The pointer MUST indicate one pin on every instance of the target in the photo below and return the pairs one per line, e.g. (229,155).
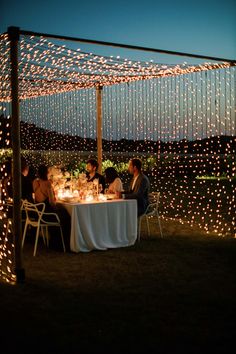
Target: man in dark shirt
(92,174)
(139,186)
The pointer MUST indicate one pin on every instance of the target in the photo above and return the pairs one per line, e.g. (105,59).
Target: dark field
(170,295)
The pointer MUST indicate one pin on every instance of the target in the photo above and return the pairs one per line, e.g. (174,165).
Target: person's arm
(144,185)
(51,194)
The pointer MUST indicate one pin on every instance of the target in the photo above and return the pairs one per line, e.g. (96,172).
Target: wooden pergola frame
(14,36)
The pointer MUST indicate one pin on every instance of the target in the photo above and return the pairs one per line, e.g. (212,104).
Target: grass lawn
(170,295)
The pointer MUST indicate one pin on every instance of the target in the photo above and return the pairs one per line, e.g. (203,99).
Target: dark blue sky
(201,27)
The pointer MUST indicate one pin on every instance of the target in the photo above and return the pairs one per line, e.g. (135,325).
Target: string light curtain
(46,68)
(185,127)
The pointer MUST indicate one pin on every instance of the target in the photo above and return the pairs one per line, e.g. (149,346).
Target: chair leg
(42,230)
(159,222)
(47,236)
(62,239)
(148,228)
(139,227)
(36,241)
(24,234)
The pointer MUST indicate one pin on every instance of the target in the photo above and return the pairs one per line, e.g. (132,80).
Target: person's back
(116,186)
(43,188)
(44,193)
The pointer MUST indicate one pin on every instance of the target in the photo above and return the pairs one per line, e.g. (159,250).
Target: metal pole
(14,35)
(126,46)
(99,127)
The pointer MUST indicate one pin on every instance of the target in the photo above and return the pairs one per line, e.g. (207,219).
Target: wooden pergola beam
(99,127)
(126,46)
(14,36)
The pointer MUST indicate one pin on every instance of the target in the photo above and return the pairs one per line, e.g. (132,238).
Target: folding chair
(152,210)
(35,216)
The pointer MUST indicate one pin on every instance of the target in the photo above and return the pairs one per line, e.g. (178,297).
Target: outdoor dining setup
(93,218)
(117,177)
(102,224)
(61,105)
(98,221)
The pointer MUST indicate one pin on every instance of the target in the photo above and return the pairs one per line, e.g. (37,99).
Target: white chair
(151,211)
(35,216)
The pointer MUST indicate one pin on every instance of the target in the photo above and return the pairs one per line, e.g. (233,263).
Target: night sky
(201,27)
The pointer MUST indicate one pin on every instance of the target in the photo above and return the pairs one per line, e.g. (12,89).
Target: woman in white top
(113,180)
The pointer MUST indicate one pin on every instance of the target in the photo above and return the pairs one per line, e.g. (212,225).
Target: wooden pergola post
(99,127)
(14,36)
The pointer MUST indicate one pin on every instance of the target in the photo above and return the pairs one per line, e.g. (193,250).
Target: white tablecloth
(102,225)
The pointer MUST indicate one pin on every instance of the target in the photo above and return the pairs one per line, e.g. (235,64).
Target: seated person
(139,186)
(43,189)
(44,193)
(92,174)
(26,183)
(113,180)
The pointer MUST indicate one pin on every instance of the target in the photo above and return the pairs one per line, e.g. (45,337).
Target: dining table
(102,225)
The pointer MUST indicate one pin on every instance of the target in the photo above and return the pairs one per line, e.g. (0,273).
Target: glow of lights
(46,69)
(180,119)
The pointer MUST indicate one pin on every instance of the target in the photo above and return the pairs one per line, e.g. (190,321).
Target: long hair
(111,174)
(43,172)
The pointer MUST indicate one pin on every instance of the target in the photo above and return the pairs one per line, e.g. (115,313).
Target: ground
(165,295)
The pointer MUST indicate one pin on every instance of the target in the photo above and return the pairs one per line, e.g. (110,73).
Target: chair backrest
(33,212)
(154,197)
(152,208)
